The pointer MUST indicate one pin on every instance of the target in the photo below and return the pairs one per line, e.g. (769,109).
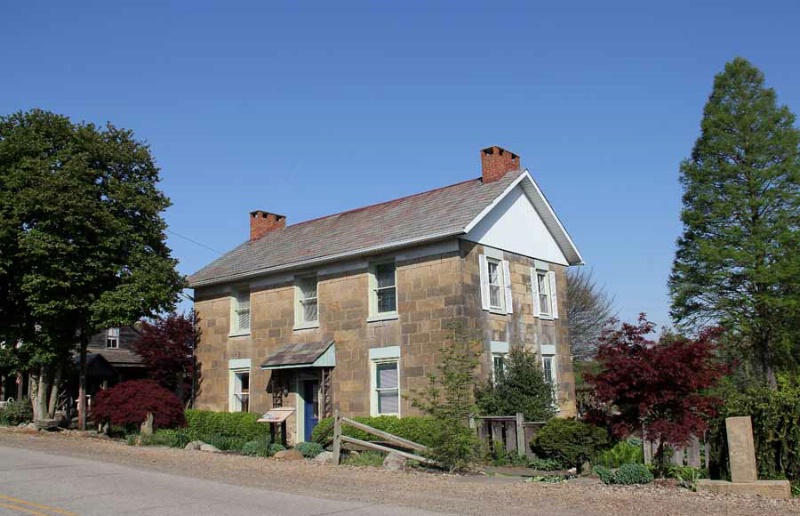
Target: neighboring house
(110,359)
(350,310)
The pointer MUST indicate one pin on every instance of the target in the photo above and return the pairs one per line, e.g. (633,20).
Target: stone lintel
(766,488)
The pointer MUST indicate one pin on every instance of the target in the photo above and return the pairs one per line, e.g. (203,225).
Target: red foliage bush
(657,387)
(127,404)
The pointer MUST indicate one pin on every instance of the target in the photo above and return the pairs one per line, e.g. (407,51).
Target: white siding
(513,225)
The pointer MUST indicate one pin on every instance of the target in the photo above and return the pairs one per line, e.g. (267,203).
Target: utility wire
(195,242)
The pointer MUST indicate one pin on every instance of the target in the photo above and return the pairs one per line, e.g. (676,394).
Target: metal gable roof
(425,217)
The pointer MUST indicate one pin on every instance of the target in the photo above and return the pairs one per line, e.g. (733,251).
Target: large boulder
(209,448)
(194,445)
(325,457)
(394,462)
(289,455)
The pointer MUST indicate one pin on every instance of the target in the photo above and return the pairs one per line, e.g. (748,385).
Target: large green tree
(82,244)
(737,263)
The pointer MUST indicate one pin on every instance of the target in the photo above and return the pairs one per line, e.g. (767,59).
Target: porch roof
(306,354)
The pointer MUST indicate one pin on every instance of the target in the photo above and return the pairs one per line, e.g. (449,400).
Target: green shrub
(568,441)
(367,458)
(687,476)
(239,425)
(177,438)
(622,453)
(418,429)
(258,448)
(16,412)
(776,431)
(629,474)
(225,442)
(309,450)
(275,448)
(605,474)
(544,464)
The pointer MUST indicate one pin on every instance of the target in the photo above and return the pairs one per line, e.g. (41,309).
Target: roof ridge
(369,206)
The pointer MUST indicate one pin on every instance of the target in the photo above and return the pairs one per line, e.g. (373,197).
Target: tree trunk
(54,388)
(82,383)
(34,387)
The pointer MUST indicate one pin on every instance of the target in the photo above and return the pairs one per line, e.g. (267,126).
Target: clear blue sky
(306,109)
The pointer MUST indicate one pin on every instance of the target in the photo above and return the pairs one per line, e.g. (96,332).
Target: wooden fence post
(337,437)
(521,444)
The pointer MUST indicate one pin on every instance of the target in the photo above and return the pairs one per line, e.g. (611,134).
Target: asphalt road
(39,484)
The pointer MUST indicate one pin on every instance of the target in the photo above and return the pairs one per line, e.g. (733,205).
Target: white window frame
(492,257)
(546,308)
(380,356)
(374,314)
(112,338)
(237,297)
(548,352)
(237,367)
(300,321)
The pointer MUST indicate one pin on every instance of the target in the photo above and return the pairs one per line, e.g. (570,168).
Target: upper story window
(545,301)
(496,285)
(307,307)
(112,338)
(240,312)
(383,289)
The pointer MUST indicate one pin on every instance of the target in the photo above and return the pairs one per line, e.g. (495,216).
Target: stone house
(350,310)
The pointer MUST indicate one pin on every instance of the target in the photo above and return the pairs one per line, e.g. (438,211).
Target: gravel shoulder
(431,491)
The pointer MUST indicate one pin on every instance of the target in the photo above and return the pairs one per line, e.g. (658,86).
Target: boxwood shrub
(203,424)
(418,429)
(568,441)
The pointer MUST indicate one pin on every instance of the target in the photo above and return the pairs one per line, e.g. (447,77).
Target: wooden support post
(521,444)
(337,437)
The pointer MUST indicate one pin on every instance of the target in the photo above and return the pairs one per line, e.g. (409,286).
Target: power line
(195,242)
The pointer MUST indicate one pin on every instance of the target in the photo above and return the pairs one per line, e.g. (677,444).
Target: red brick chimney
(262,222)
(495,162)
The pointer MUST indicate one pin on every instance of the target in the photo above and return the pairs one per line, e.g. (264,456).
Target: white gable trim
(545,211)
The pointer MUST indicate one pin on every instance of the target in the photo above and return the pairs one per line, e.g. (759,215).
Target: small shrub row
(544,464)
(16,412)
(627,474)
(236,425)
(422,430)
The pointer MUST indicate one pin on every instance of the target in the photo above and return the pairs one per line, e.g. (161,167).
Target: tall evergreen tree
(737,263)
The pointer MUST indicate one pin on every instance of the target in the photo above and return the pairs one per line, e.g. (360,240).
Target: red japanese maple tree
(167,348)
(656,387)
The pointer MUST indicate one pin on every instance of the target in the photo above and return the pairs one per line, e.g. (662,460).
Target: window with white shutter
(307,303)
(495,285)
(543,286)
(240,313)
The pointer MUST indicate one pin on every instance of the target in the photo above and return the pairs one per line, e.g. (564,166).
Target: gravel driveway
(431,491)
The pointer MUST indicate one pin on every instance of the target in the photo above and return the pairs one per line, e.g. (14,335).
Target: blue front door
(311,406)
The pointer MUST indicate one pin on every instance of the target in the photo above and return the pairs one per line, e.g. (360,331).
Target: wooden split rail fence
(340,440)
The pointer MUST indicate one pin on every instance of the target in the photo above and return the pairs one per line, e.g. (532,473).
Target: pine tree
(737,263)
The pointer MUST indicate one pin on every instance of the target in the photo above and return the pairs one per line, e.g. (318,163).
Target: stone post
(741,450)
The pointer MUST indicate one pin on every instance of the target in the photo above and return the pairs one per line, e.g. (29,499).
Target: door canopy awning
(307,354)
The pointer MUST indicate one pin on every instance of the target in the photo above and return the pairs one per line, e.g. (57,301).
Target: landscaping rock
(146,429)
(394,462)
(209,448)
(325,457)
(289,455)
(194,445)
